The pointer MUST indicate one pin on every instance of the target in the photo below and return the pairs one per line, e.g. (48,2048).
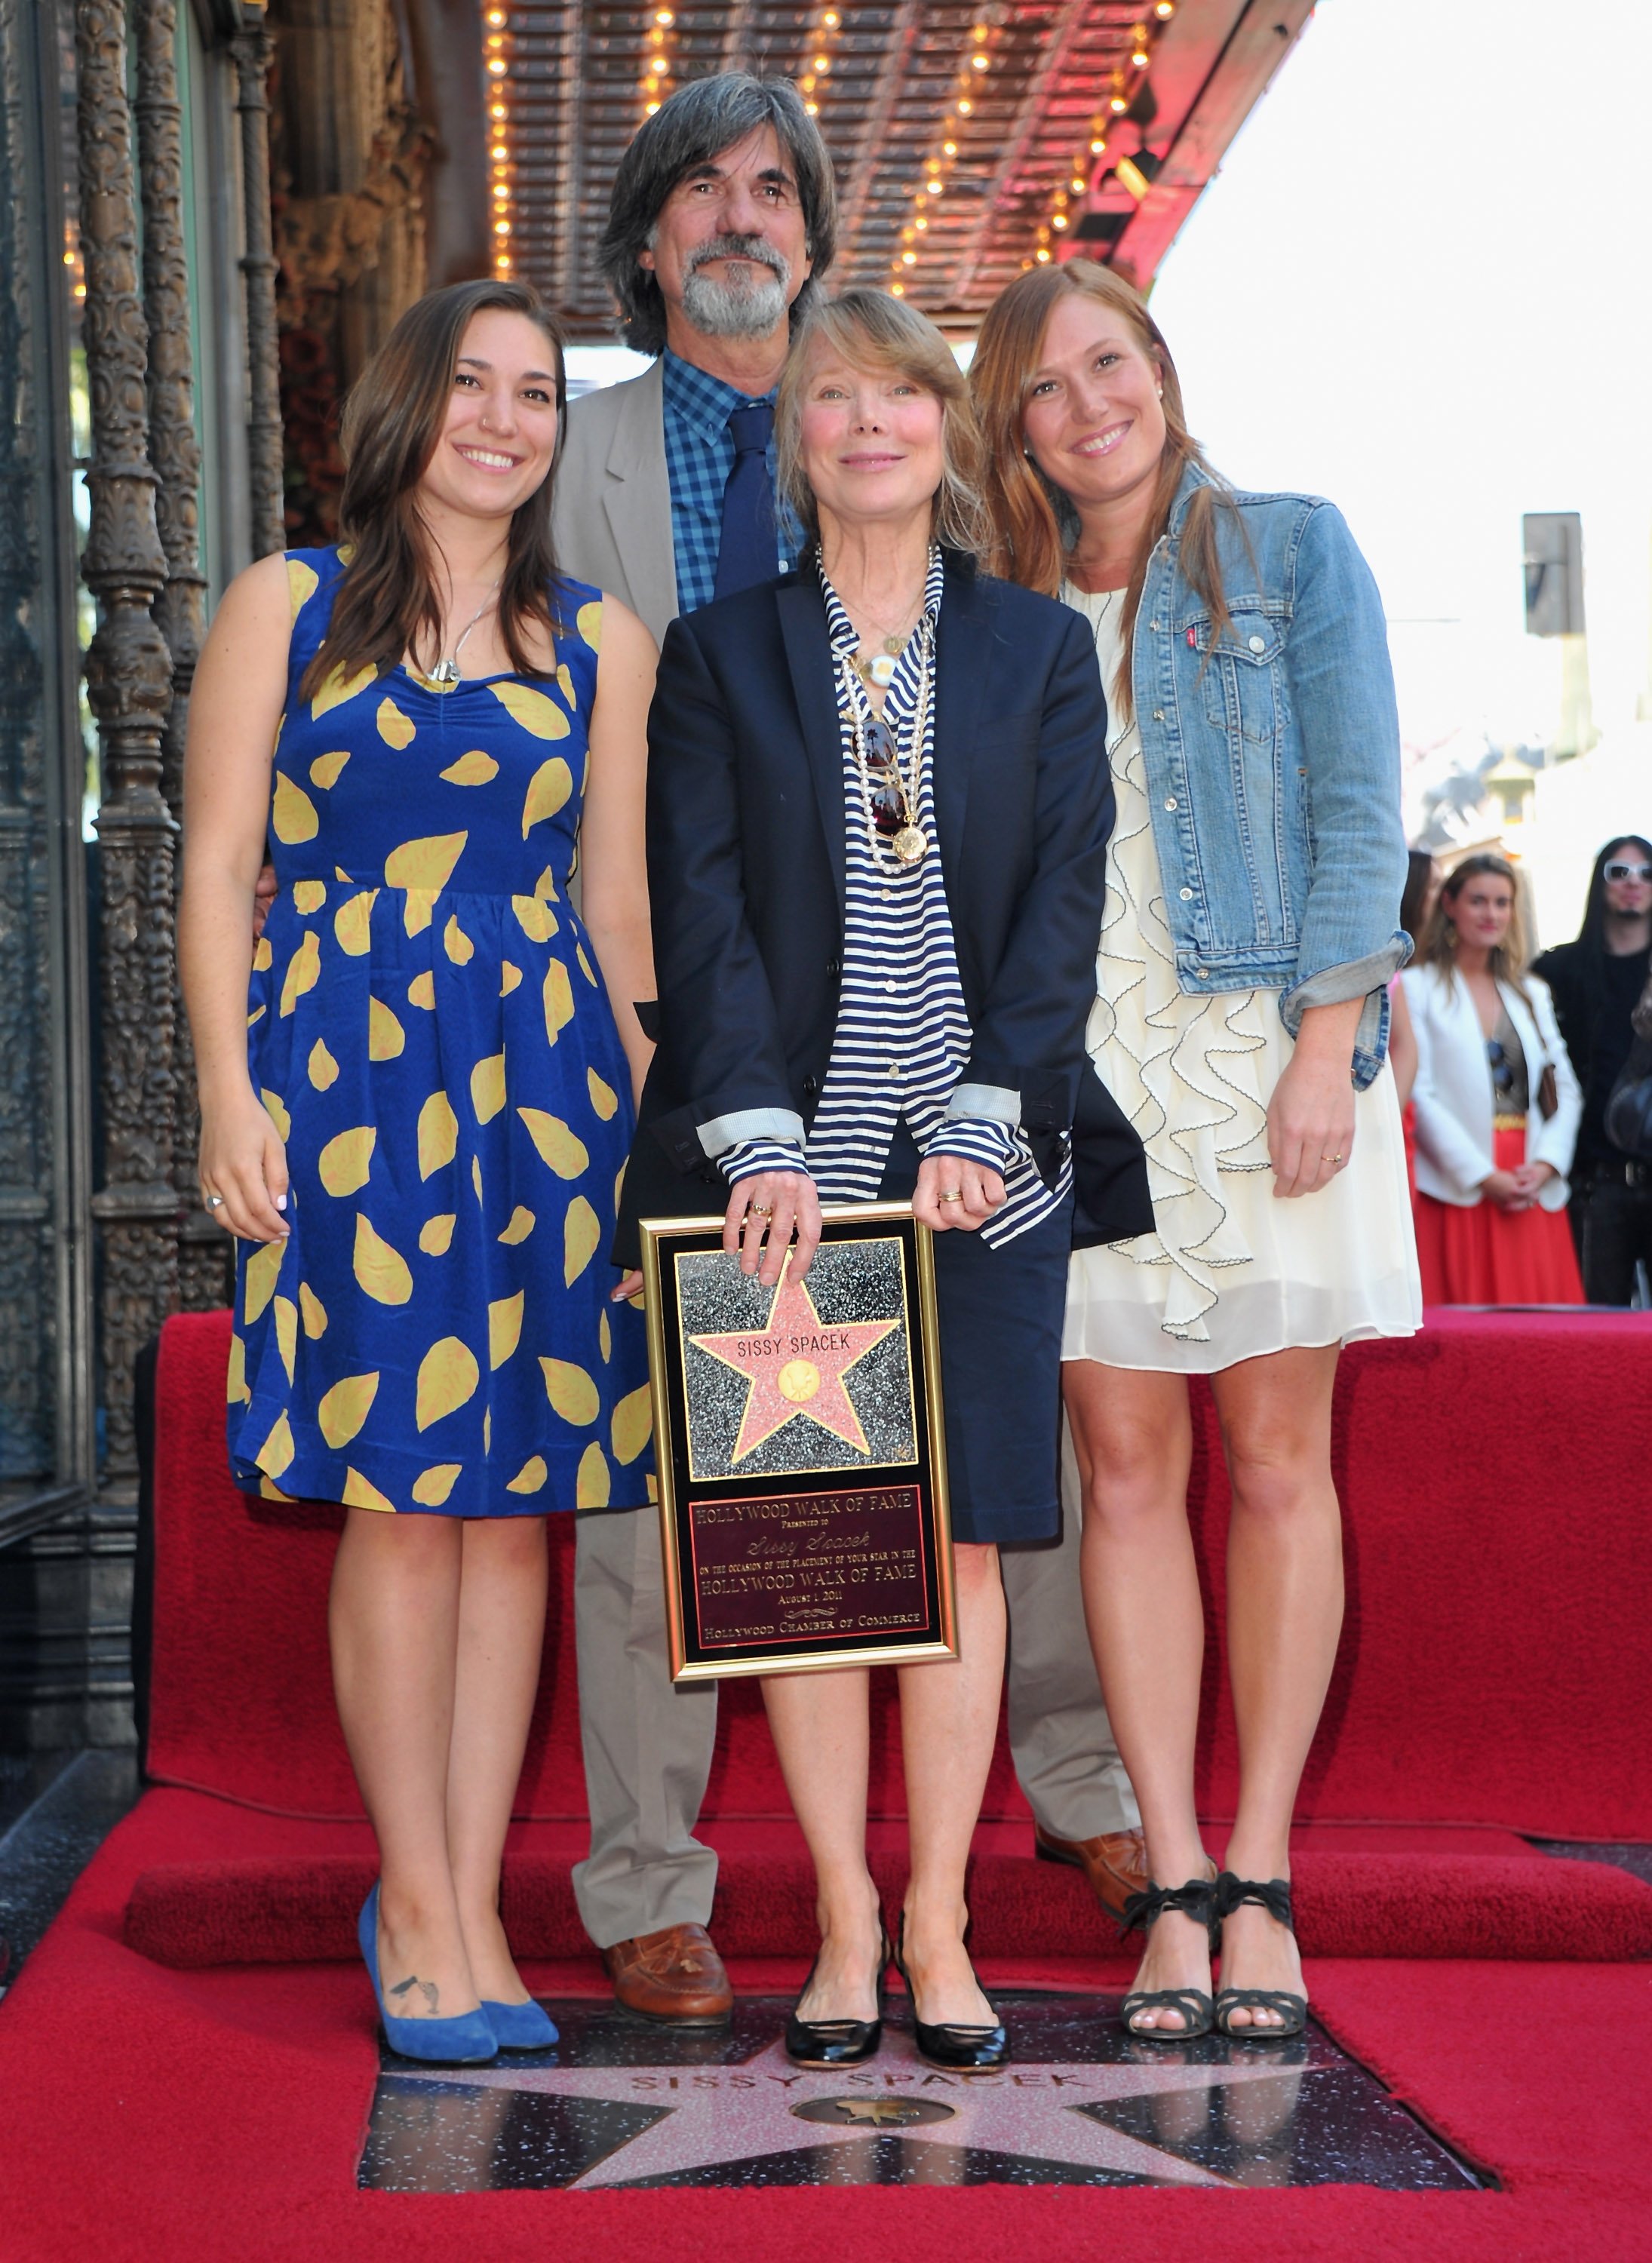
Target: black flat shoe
(959,2049)
(1196,1899)
(832,2043)
(1274,1896)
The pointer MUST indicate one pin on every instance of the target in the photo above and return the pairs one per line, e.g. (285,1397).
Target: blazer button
(811,1086)
(833,966)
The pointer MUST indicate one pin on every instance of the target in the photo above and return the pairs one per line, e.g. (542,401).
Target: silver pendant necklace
(446,673)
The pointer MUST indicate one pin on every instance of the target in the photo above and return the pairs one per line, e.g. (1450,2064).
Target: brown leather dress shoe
(1115,1863)
(674,1975)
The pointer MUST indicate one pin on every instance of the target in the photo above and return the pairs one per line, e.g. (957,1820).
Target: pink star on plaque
(795,1364)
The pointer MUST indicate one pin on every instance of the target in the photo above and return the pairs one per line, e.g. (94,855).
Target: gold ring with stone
(955,1194)
(762,1209)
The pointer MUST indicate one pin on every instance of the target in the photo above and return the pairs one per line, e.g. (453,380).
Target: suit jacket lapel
(637,498)
(962,651)
(808,656)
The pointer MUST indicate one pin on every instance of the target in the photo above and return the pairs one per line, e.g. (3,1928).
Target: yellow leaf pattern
(581,1233)
(487,1088)
(381,1271)
(605,1336)
(532,709)
(287,1331)
(259,1279)
(457,943)
(341,1411)
(559,1000)
(361,1492)
(308,896)
(570,1390)
(548,790)
(324,1069)
(504,1328)
(530,1477)
(277,1114)
(591,1486)
(262,957)
(632,1419)
(394,729)
(432,1487)
(301,582)
(344,1161)
(292,813)
(476,768)
(327,770)
(235,1389)
(448,1377)
(386,1036)
(519,1228)
(537,920)
(352,923)
(338,688)
(438,1133)
(426,863)
(603,1098)
(588,621)
(563,1150)
(436,1235)
(421,991)
(508,977)
(275,1454)
(303,972)
(314,1313)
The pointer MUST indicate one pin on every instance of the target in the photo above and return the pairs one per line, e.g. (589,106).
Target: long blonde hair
(1032,518)
(1437,946)
(876,332)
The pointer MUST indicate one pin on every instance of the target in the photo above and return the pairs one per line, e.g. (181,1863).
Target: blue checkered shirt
(699,454)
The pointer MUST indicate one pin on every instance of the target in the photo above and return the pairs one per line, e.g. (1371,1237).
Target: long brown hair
(1437,946)
(1027,510)
(393,422)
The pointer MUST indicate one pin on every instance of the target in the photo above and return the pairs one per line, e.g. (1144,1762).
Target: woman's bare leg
(1132,1436)
(949,1720)
(819,1722)
(1285,1611)
(501,1636)
(394,1619)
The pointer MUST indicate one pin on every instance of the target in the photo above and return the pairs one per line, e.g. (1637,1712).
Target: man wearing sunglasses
(1597,982)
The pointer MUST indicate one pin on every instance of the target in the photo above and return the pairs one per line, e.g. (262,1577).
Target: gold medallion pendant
(911,843)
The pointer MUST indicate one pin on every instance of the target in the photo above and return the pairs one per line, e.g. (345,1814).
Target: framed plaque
(800,1450)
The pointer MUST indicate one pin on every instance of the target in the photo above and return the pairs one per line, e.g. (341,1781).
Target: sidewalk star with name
(795,1364)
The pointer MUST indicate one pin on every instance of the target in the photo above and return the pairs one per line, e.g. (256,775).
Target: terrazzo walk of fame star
(619,2103)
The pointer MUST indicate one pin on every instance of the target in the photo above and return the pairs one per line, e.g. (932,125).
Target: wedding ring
(955,1194)
(1330,1159)
(762,1209)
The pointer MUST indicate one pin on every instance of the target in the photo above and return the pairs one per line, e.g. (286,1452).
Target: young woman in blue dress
(416,1093)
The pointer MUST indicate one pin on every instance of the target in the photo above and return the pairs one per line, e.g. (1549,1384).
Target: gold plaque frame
(907,1494)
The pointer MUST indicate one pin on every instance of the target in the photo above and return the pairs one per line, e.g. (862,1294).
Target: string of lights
(496,44)
(819,51)
(1128,77)
(976,63)
(658,82)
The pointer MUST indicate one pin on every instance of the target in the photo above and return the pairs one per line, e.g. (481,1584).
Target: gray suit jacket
(611,512)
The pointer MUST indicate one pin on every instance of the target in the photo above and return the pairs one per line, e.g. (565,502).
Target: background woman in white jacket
(1496,1104)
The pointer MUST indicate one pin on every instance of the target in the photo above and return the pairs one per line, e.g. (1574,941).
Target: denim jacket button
(1171,804)
(1187,895)
(1159,714)
(1258,644)
(1154,627)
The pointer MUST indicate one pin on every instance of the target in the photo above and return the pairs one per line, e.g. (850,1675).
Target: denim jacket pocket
(1238,675)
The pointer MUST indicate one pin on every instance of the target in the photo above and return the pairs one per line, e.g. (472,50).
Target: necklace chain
(446,673)
(908,763)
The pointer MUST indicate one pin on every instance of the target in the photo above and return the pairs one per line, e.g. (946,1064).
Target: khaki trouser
(648,1744)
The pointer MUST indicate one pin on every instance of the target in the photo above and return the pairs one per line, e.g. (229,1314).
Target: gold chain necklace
(909,844)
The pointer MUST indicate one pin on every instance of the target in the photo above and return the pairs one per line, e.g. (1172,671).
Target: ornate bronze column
(175,452)
(129,684)
(252,49)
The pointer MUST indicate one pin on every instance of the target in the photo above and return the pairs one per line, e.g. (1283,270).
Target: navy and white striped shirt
(902,1037)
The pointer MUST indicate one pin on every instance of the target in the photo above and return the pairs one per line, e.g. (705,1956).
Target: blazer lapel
(637,498)
(808,656)
(962,660)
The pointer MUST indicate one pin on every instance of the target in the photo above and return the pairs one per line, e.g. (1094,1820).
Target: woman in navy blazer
(878,815)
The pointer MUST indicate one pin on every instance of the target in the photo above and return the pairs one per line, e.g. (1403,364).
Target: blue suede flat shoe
(520,2026)
(466,2040)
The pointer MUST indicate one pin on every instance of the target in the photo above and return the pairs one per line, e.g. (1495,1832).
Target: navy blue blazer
(746,876)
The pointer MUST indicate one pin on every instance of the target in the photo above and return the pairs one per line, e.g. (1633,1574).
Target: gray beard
(736,310)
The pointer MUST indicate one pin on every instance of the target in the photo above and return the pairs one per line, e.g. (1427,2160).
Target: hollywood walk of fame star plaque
(800,1450)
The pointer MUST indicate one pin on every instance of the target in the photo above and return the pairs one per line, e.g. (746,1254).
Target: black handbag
(1628,1117)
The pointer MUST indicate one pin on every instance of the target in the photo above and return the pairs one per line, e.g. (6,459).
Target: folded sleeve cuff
(996,1100)
(747,1158)
(981,1140)
(746,1123)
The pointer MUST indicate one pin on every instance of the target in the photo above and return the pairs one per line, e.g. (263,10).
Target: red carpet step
(267,1911)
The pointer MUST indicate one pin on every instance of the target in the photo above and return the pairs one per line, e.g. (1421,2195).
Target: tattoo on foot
(426,1988)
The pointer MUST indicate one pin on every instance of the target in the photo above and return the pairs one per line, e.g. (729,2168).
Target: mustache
(751,248)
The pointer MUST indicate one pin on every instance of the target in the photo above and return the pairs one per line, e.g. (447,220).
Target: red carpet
(1500,1590)
(160,2104)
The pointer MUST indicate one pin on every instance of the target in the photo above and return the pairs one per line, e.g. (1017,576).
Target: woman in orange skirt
(1496,1104)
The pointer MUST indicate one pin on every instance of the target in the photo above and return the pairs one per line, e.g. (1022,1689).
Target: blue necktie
(746,553)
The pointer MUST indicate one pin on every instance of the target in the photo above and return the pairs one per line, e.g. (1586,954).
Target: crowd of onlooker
(1528,1086)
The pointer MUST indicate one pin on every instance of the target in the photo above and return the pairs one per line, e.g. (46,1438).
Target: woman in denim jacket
(1247,939)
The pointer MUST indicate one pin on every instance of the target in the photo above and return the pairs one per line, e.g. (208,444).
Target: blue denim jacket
(1273,760)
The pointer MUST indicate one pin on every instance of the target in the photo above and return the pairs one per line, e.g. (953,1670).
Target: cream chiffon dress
(1230,1272)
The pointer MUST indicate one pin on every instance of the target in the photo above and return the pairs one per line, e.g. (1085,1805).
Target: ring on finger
(1330,1159)
(762,1209)
(214,1202)
(952,1194)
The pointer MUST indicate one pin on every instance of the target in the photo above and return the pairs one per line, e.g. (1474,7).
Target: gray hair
(872,331)
(689,128)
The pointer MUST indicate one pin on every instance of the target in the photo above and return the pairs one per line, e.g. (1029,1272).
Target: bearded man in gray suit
(723,218)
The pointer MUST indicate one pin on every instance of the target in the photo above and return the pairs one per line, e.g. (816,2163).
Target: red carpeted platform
(189,2012)
(1495,1662)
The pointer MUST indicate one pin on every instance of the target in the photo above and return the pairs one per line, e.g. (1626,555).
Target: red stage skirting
(1496,1666)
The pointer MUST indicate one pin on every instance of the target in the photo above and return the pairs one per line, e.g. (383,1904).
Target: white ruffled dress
(1230,1272)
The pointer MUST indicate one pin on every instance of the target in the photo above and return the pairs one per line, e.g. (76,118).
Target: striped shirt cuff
(1001,1102)
(982,1139)
(749,1157)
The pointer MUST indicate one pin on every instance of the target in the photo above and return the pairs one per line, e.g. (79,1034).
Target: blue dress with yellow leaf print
(429,1030)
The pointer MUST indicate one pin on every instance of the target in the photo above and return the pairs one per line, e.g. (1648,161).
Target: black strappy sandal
(1196,1899)
(1274,1896)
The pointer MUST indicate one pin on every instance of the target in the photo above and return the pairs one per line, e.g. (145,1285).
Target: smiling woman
(416,1094)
